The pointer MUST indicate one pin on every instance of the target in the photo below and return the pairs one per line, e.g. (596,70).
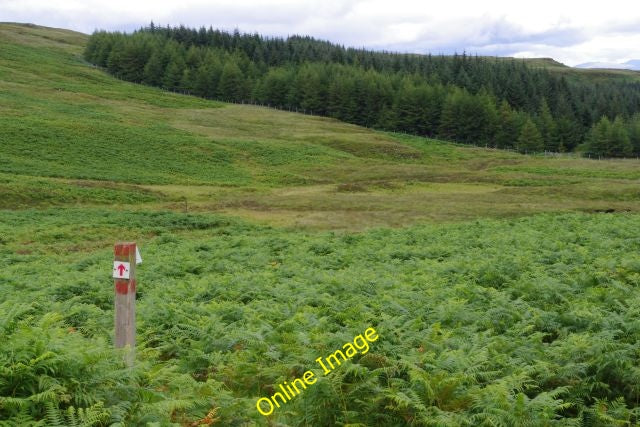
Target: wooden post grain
(125,300)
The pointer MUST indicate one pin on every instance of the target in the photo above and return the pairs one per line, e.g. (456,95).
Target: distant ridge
(633,64)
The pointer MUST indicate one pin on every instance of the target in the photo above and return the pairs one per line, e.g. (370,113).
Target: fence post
(124,274)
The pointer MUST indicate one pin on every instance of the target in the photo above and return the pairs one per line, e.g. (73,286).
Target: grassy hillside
(71,134)
(270,239)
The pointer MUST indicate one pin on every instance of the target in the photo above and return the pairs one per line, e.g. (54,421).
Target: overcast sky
(569,31)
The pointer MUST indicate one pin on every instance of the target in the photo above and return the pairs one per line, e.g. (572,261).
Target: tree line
(497,102)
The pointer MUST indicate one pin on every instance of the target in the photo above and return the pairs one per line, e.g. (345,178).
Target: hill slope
(69,130)
(633,64)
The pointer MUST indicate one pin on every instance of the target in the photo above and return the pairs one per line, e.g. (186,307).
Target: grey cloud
(499,37)
(509,34)
(344,22)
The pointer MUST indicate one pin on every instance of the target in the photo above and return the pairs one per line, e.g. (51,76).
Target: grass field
(502,292)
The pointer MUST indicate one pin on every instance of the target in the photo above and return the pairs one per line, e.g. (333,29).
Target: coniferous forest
(496,102)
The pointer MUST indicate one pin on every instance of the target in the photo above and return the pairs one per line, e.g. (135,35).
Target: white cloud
(569,31)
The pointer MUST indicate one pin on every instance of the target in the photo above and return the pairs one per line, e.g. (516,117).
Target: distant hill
(633,64)
(541,62)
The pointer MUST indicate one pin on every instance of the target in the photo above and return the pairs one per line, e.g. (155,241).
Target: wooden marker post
(124,274)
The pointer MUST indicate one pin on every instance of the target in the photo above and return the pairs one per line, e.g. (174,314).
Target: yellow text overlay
(360,344)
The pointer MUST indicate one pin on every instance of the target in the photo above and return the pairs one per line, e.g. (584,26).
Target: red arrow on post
(121,269)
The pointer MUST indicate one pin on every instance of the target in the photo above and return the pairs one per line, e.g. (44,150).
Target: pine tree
(341,103)
(633,130)
(115,60)
(619,144)
(507,127)
(568,134)
(92,48)
(547,127)
(273,88)
(514,88)
(193,58)
(173,73)
(231,86)
(598,141)
(188,80)
(434,103)
(154,68)
(208,76)
(135,54)
(530,140)
(486,118)
(378,93)
(469,118)
(312,85)
(449,119)
(386,118)
(408,109)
